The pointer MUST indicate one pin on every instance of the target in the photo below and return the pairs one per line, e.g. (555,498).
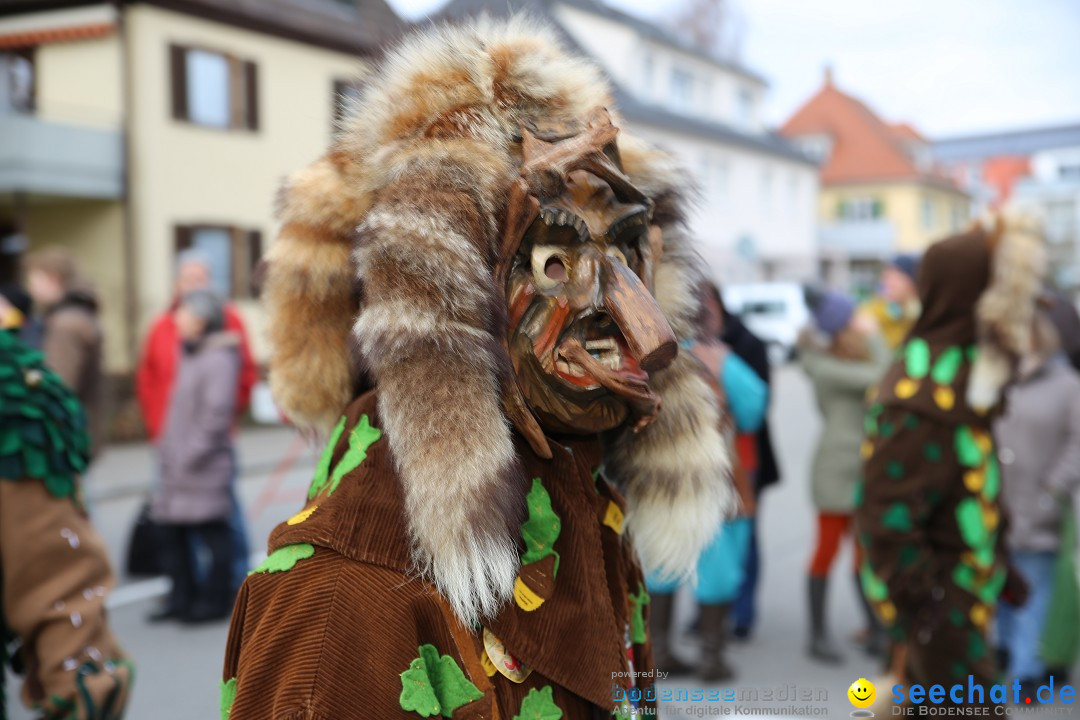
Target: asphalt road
(179,668)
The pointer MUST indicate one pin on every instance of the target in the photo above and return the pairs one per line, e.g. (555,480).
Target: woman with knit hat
(843,354)
(929,514)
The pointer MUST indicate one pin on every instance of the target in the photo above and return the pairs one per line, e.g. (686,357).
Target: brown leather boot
(714,668)
(660,611)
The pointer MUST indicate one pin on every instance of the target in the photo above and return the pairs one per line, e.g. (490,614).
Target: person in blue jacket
(721,567)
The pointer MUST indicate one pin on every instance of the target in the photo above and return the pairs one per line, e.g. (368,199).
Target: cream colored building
(130,135)
(881,192)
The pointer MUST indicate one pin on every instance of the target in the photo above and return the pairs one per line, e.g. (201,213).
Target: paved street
(179,667)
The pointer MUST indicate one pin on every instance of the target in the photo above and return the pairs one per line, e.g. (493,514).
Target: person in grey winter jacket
(198,461)
(843,355)
(1039,452)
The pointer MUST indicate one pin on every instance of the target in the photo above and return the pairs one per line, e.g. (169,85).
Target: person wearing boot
(843,354)
(198,462)
(929,513)
(721,567)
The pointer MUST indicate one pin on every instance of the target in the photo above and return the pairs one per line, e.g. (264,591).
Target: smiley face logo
(862,693)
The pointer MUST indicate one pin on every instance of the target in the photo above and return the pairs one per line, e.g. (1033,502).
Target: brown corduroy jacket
(336,625)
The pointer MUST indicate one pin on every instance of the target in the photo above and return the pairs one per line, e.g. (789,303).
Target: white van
(774,311)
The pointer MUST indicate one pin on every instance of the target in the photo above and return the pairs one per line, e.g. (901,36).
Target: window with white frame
(926,213)
(861,207)
(648,67)
(766,189)
(744,107)
(682,88)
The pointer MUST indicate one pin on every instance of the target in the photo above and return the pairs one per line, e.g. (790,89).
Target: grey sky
(947,66)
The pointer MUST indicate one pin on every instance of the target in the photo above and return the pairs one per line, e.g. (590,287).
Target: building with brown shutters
(130,131)
(881,192)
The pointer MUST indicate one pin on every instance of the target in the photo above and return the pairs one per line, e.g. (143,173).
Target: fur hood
(384,273)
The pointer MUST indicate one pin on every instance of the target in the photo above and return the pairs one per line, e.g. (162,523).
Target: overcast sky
(947,66)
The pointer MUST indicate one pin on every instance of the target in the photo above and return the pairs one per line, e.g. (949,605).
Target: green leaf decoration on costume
(322,469)
(964,577)
(947,365)
(228,695)
(42,426)
(976,646)
(285,558)
(969,518)
(638,635)
(972,353)
(859,493)
(917,358)
(895,470)
(875,588)
(435,685)
(539,705)
(897,517)
(361,438)
(542,528)
(967,450)
(907,557)
(992,588)
(933,452)
(984,556)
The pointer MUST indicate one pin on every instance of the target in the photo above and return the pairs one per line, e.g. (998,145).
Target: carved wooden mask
(584,330)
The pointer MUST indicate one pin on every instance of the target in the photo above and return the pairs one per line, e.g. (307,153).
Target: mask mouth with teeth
(584,331)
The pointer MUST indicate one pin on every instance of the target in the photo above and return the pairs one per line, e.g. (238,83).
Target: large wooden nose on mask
(647,333)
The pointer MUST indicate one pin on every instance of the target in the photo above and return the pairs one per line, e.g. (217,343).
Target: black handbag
(144,555)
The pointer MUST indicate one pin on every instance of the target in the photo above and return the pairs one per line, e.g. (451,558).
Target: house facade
(1037,169)
(756,213)
(881,192)
(132,132)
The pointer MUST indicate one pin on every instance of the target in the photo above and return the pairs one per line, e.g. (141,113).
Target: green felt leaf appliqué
(917,358)
(228,695)
(897,517)
(967,450)
(285,558)
(42,426)
(638,635)
(969,517)
(539,705)
(435,685)
(322,469)
(947,365)
(875,588)
(361,438)
(542,528)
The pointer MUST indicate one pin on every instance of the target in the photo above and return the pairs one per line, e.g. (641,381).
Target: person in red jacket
(156,375)
(157,365)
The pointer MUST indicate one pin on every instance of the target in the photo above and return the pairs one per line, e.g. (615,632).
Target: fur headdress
(1005,314)
(385,266)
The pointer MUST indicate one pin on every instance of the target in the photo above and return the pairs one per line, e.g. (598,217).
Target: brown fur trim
(1006,309)
(308,294)
(676,472)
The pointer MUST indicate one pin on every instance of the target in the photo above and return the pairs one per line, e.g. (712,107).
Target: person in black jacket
(753,352)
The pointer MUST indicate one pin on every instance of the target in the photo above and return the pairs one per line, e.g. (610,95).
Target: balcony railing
(40,157)
(862,239)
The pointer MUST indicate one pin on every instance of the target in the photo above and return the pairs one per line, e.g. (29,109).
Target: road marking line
(143,590)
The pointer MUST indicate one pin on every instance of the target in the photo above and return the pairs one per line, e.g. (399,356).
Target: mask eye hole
(555,269)
(616,253)
(550,267)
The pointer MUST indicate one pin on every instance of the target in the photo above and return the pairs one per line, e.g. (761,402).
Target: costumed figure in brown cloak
(929,516)
(478,294)
(54,567)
